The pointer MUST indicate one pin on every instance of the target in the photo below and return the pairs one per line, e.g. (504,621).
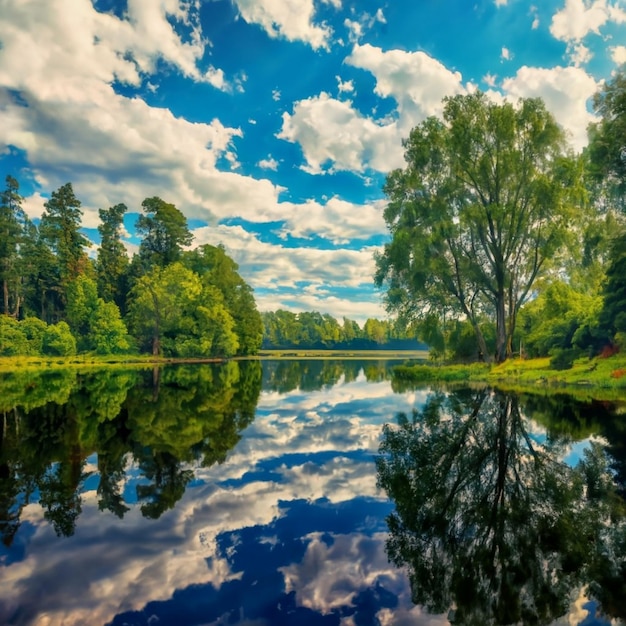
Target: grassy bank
(587,375)
(304,353)
(21,363)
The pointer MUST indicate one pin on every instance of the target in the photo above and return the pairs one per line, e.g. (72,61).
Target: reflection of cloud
(303,447)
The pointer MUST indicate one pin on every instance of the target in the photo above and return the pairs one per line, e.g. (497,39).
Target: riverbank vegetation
(505,243)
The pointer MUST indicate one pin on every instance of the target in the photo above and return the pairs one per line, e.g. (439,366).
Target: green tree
(478,213)
(216,268)
(165,233)
(107,331)
(606,152)
(112,264)
(613,314)
(58,340)
(60,230)
(12,227)
(172,312)
(13,341)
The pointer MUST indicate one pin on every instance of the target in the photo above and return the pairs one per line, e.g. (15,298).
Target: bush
(563,359)
(58,341)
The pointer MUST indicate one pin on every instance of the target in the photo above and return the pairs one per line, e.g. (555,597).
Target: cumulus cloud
(267,265)
(505,54)
(618,54)
(578,18)
(332,132)
(288,19)
(268,164)
(565,90)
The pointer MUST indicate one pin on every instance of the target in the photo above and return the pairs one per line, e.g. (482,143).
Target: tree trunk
(5,296)
(501,334)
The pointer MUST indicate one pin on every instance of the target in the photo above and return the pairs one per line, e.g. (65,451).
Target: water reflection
(246,494)
(157,421)
(489,521)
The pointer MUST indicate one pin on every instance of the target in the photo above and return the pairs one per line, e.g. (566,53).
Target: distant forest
(284,329)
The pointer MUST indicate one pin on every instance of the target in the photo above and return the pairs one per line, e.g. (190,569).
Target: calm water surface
(274,493)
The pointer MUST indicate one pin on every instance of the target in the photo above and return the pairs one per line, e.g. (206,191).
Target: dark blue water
(249,494)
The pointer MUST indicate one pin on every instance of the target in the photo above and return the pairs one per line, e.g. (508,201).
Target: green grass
(588,377)
(304,353)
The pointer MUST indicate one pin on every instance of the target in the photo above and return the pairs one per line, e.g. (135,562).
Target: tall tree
(478,213)
(216,268)
(12,225)
(112,264)
(165,233)
(606,151)
(60,230)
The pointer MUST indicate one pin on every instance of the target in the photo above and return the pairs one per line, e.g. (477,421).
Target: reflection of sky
(289,530)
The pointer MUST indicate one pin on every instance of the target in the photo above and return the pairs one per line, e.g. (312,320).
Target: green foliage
(473,227)
(606,161)
(217,269)
(559,318)
(13,340)
(172,311)
(112,264)
(60,231)
(613,314)
(165,233)
(58,340)
(107,331)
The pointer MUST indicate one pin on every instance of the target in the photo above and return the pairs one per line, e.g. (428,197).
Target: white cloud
(268,164)
(565,90)
(618,54)
(415,80)
(344,86)
(578,18)
(506,55)
(288,19)
(332,131)
(501,3)
(490,79)
(364,22)
(580,54)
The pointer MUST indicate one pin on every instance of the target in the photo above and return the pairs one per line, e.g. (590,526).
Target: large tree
(477,214)
(12,228)
(607,142)
(60,230)
(165,233)
(112,264)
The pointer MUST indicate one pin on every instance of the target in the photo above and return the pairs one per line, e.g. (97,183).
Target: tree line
(502,239)
(165,300)
(312,329)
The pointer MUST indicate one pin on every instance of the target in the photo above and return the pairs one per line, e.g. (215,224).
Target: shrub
(563,359)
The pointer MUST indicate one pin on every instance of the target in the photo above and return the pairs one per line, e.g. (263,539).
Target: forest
(57,300)
(503,242)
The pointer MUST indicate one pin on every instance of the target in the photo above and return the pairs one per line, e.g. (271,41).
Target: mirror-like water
(305,492)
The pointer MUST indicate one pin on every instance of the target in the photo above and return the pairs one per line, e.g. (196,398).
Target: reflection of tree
(183,415)
(311,375)
(168,480)
(486,519)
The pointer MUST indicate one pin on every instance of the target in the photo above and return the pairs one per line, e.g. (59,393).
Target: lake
(305,492)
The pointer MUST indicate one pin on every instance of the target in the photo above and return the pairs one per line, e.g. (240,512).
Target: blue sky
(272,123)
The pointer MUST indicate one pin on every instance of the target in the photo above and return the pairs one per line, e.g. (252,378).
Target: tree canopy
(478,213)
